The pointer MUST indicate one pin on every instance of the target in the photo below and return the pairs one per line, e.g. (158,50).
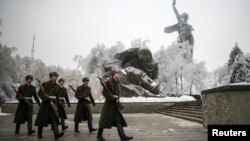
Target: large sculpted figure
(140,58)
(182,27)
(138,72)
(136,81)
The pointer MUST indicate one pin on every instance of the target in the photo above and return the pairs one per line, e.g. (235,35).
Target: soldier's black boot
(29,126)
(56,131)
(31,132)
(99,135)
(122,133)
(63,124)
(40,132)
(126,138)
(17,128)
(76,127)
(90,125)
(59,135)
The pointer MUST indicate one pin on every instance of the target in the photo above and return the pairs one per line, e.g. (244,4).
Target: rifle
(41,86)
(55,108)
(118,103)
(17,93)
(14,88)
(73,88)
(84,96)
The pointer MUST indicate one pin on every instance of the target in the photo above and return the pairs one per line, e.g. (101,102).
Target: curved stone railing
(226,105)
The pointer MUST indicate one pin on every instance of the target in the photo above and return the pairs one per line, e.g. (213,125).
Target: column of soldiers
(54,97)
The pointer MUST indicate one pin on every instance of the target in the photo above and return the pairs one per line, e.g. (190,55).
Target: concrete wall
(141,107)
(226,105)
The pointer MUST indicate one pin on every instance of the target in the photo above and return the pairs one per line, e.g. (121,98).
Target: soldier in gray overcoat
(111,115)
(24,110)
(83,110)
(63,96)
(48,112)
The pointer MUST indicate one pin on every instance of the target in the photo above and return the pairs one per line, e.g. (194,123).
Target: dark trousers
(54,126)
(76,126)
(62,122)
(29,126)
(90,125)
(120,131)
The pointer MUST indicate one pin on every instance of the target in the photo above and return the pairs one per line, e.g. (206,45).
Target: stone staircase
(185,110)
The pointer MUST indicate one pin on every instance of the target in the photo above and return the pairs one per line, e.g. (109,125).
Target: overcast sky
(65,28)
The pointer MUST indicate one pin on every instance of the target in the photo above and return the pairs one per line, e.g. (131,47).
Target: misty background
(64,28)
(70,34)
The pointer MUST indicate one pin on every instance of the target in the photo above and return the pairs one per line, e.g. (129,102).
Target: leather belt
(27,98)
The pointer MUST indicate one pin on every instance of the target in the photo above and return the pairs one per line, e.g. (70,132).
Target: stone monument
(139,72)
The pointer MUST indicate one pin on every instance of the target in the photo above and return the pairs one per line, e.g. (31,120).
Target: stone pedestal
(226,105)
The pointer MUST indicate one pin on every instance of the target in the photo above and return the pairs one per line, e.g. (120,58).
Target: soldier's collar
(84,85)
(115,81)
(28,84)
(52,81)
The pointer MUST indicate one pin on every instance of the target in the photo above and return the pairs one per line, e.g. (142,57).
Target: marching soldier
(111,115)
(48,112)
(24,110)
(83,110)
(61,107)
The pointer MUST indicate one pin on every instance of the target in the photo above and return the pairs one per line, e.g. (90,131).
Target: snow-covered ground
(242,83)
(153,99)
(144,99)
(3,114)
